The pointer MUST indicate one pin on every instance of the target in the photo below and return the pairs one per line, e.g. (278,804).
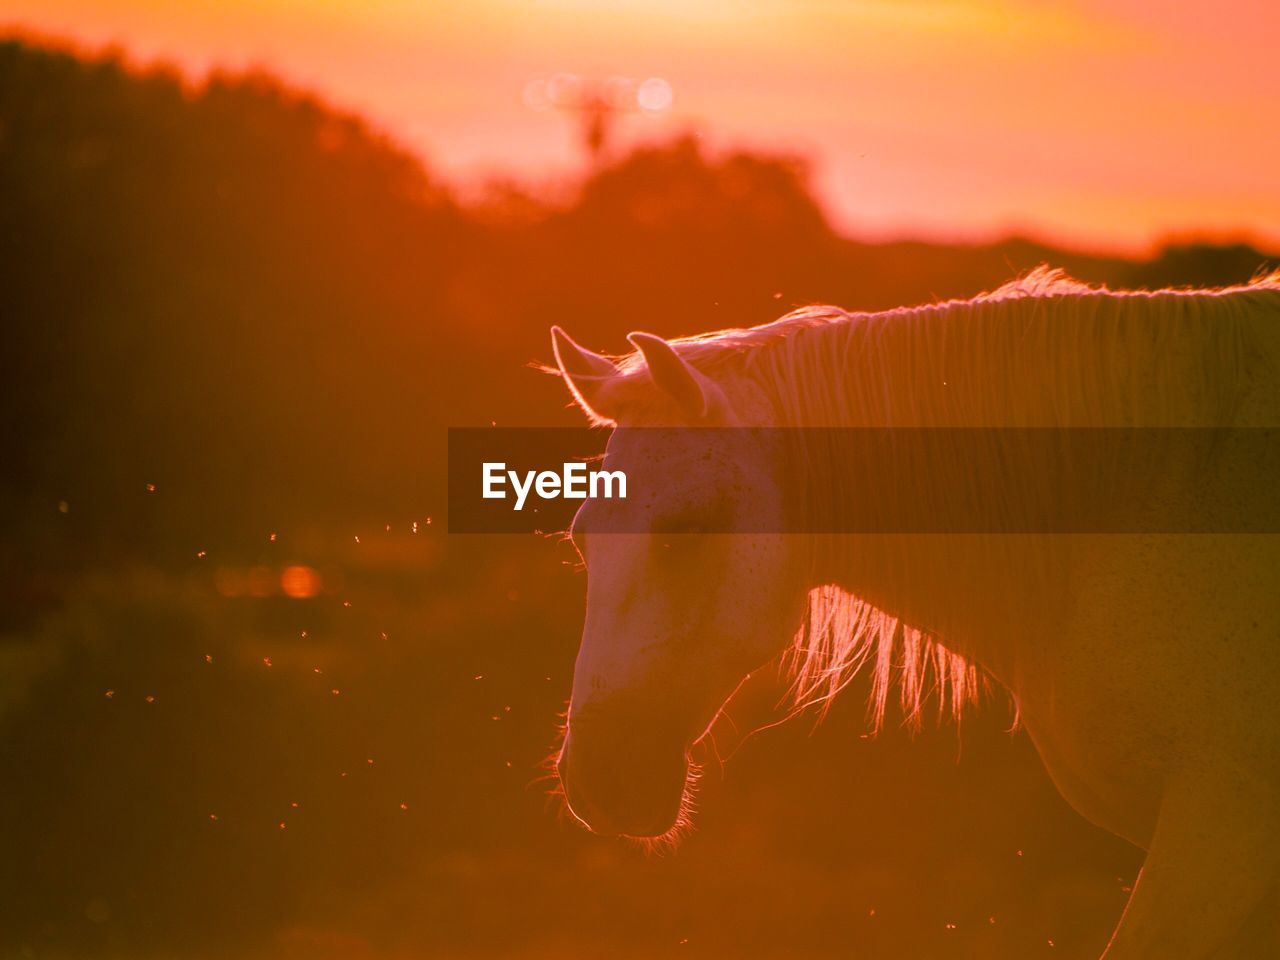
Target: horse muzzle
(622,777)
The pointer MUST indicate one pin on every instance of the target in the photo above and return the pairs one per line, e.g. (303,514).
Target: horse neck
(1062,361)
(977,595)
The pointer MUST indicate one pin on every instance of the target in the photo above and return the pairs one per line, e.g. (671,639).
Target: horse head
(685,597)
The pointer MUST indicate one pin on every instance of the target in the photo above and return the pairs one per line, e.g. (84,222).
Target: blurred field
(451,665)
(270,313)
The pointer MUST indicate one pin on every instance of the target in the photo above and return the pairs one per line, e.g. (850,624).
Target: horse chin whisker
(669,842)
(549,765)
(548,783)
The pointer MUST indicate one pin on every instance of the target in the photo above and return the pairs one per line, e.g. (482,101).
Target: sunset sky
(1102,123)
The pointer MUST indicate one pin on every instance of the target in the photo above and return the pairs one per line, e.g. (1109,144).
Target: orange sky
(1102,123)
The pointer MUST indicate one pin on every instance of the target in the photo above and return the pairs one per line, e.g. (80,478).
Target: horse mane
(1043,350)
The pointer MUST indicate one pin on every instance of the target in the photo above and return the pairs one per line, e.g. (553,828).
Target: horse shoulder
(1168,656)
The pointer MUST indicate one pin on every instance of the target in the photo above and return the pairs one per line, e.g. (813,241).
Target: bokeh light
(300,582)
(654,95)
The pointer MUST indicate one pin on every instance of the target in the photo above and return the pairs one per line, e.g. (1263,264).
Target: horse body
(1168,659)
(1145,667)
(1173,742)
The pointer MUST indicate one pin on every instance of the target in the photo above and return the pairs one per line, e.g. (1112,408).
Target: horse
(1145,666)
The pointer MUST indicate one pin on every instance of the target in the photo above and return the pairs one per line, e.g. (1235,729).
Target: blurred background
(256,257)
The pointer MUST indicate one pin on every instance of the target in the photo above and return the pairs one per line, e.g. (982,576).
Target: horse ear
(672,375)
(584,372)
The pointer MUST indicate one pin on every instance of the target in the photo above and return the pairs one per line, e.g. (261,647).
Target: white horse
(1145,667)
